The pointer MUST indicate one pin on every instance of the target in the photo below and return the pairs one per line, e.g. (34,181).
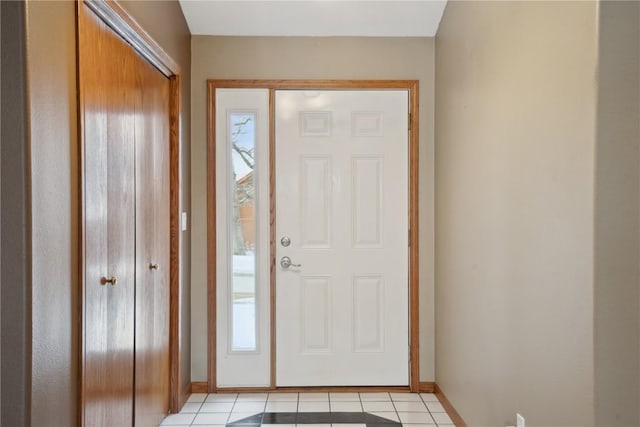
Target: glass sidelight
(242,238)
(241,140)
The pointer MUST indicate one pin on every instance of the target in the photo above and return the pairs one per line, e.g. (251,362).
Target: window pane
(243,232)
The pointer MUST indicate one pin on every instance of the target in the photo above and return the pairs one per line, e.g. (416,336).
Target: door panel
(315,202)
(152,246)
(109,200)
(242,312)
(315,314)
(342,199)
(124,104)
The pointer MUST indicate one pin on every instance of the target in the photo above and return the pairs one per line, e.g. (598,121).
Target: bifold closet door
(108,167)
(124,105)
(152,247)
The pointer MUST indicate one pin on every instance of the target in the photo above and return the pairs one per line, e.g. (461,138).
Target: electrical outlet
(519,420)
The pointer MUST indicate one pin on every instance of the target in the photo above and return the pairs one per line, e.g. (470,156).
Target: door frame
(272,85)
(125,26)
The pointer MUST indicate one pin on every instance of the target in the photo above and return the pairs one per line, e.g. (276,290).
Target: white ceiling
(366,18)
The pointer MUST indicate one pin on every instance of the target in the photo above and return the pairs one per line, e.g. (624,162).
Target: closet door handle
(113,280)
(153,266)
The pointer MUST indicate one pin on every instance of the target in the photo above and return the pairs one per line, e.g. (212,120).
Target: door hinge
(409,124)
(409,238)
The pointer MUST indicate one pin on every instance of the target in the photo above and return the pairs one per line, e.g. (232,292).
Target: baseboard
(184,395)
(200,387)
(451,411)
(177,402)
(426,387)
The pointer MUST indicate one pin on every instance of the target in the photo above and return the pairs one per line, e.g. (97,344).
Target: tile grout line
(393,403)
(427,408)
(424,402)
(236,399)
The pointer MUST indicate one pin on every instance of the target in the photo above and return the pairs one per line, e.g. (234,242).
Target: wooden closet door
(106,78)
(152,247)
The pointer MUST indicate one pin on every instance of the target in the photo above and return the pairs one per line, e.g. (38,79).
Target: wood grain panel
(111,74)
(332,389)
(152,115)
(414,250)
(117,18)
(315,84)
(211,241)
(427,387)
(178,395)
(108,223)
(200,387)
(272,230)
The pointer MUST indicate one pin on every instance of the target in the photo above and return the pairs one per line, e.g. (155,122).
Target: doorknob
(153,266)
(113,280)
(285,241)
(285,262)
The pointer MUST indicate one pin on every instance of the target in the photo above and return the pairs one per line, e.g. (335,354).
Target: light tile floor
(217,410)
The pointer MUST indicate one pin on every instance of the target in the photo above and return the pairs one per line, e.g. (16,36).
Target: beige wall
(13,211)
(515,154)
(617,227)
(310,58)
(52,110)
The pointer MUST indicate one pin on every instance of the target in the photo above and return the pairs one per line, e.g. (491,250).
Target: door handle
(153,266)
(285,262)
(113,280)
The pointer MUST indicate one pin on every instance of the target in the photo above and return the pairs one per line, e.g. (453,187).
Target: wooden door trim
(272,231)
(123,24)
(272,85)
(120,21)
(212,265)
(177,396)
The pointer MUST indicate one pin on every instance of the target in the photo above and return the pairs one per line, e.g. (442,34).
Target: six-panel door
(342,201)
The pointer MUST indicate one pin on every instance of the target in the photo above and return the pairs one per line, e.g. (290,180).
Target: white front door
(342,203)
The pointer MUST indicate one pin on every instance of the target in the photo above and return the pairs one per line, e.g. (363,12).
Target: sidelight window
(243,322)
(241,135)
